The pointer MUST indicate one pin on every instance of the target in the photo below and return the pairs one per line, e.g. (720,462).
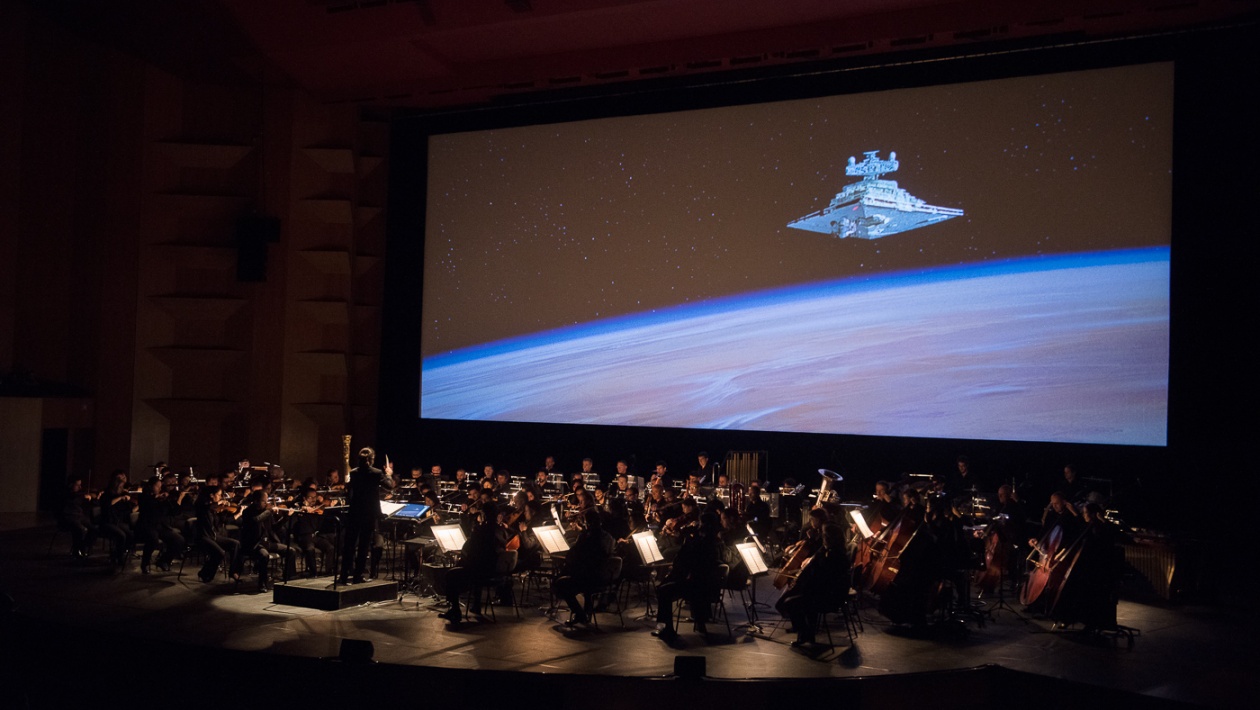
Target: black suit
(364,494)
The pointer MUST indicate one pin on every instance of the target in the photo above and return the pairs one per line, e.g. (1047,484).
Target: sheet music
(552,539)
(389,508)
(753,560)
(450,538)
(861,523)
(649,551)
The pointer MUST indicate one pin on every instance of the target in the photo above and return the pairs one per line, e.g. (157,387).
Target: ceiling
(428,53)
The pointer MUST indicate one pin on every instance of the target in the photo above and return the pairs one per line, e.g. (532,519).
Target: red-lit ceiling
(445,52)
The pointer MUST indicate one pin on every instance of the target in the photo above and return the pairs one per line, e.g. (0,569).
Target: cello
(801,550)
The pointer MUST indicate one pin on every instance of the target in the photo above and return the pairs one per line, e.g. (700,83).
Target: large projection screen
(772,267)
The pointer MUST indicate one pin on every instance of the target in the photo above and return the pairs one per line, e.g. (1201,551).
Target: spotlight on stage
(689,667)
(356,651)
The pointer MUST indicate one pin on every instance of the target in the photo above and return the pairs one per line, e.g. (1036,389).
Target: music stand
(450,538)
(649,551)
(754,560)
(650,554)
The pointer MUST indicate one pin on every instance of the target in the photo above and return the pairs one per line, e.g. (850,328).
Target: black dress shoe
(802,642)
(666,634)
(452,615)
(358,580)
(144,569)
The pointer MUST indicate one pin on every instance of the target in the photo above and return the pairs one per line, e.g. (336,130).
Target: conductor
(363,489)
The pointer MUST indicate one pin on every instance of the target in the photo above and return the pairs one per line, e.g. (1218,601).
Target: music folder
(649,551)
(753,560)
(863,528)
(552,539)
(450,538)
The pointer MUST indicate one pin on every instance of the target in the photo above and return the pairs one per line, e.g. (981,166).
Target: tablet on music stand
(551,539)
(450,538)
(413,511)
(649,551)
(753,560)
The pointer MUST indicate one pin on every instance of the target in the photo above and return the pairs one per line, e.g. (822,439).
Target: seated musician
(621,484)
(884,509)
(75,517)
(540,480)
(634,505)
(1060,513)
(704,469)
(757,511)
(583,567)
(671,506)
(114,521)
(214,541)
(616,517)
(677,528)
(462,480)
(305,531)
(154,527)
(906,599)
(502,484)
(732,534)
(694,576)
(1072,487)
(1089,595)
(582,502)
(588,470)
(259,541)
(410,484)
(821,586)
(661,475)
(631,563)
(477,561)
(653,505)
(1010,513)
(333,480)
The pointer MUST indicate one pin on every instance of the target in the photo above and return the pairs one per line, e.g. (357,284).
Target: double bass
(1048,568)
(995,546)
(880,556)
(1077,583)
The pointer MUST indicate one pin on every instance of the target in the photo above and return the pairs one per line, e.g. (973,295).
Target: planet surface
(1067,349)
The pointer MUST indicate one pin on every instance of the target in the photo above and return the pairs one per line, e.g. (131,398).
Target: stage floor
(1187,653)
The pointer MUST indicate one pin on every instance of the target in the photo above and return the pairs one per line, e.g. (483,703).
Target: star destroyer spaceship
(872,208)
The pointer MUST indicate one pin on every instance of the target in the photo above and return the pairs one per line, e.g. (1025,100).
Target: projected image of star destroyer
(873,208)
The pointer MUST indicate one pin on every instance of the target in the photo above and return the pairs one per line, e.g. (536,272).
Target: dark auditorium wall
(124,190)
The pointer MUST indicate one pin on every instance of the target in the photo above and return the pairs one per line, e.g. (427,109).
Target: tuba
(827,492)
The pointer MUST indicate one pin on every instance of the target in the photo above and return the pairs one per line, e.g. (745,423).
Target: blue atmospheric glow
(787,294)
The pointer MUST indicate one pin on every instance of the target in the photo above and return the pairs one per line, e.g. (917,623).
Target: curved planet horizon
(1068,348)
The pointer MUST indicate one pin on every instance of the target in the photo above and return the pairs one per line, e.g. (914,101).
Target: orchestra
(917,550)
